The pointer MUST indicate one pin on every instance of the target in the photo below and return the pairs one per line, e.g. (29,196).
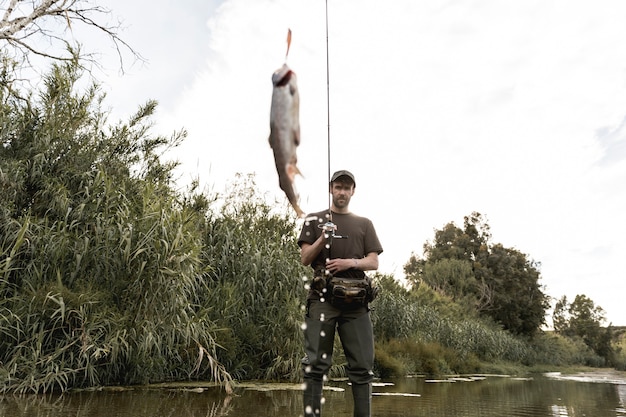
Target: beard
(341,202)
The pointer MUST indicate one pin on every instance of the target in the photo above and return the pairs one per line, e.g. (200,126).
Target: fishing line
(328,112)
(329,227)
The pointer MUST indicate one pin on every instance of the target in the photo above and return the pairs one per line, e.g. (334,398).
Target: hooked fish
(285,130)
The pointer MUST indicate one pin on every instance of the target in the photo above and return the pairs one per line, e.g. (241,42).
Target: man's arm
(369,263)
(308,251)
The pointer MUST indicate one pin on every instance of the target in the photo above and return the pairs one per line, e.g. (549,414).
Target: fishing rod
(329,227)
(328,111)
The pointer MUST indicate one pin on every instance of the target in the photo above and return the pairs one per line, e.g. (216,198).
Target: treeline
(502,285)
(111,275)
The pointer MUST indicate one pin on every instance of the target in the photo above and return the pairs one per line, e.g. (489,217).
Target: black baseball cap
(342,173)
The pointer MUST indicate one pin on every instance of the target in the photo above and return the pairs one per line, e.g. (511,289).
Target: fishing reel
(320,281)
(329,229)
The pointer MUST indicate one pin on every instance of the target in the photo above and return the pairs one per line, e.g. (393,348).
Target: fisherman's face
(342,192)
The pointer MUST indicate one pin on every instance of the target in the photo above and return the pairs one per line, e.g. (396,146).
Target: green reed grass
(255,285)
(101,266)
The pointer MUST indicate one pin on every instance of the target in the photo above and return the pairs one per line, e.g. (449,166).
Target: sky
(515,109)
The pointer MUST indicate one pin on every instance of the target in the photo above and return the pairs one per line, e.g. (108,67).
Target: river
(592,395)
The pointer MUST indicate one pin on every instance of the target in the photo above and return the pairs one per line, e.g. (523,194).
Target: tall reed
(256,286)
(101,266)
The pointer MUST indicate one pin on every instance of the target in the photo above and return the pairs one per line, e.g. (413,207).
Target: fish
(285,131)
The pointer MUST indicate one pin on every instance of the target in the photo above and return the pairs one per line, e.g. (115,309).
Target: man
(338,244)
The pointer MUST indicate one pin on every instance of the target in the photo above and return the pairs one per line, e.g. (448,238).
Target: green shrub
(401,357)
(101,267)
(387,365)
(255,285)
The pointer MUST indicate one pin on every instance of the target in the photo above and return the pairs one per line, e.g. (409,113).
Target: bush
(551,348)
(101,267)
(256,285)
(386,365)
(401,357)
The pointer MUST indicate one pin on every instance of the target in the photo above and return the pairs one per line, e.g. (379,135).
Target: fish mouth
(281,77)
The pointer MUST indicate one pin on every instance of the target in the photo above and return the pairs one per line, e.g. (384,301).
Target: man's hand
(338,264)
(369,263)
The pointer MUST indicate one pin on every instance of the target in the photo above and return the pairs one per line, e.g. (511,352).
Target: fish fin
(288,43)
(301,214)
(291,171)
(296,136)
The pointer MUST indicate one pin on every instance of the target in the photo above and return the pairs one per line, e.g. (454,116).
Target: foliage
(256,285)
(394,316)
(400,357)
(423,317)
(583,319)
(101,266)
(552,348)
(619,347)
(498,282)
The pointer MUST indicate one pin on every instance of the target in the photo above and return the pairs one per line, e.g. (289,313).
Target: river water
(597,395)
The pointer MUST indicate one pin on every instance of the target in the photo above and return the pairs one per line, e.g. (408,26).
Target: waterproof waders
(355,331)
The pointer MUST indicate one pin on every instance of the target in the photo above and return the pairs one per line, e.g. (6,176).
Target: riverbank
(521,370)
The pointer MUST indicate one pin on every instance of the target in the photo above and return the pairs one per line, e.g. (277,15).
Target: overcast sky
(514,109)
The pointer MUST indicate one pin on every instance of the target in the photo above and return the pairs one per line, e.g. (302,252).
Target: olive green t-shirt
(358,238)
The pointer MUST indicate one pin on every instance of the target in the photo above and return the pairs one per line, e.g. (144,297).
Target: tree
(584,315)
(451,277)
(45,28)
(582,318)
(586,322)
(560,318)
(501,283)
(53,150)
(517,300)
(453,242)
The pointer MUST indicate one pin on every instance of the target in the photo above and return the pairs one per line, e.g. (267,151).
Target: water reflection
(621,392)
(491,396)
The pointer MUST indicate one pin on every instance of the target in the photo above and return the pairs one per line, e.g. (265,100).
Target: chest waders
(356,334)
(354,326)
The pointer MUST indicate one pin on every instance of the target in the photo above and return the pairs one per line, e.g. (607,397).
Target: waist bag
(350,292)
